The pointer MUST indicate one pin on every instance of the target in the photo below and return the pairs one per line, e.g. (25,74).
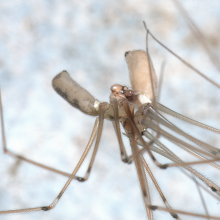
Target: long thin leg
(153,179)
(141,174)
(198,34)
(149,136)
(124,156)
(171,126)
(167,135)
(183,61)
(164,133)
(208,182)
(173,211)
(153,207)
(174,158)
(151,79)
(207,147)
(2,125)
(101,121)
(199,156)
(53,204)
(172,155)
(174,215)
(184,118)
(201,196)
(215,188)
(160,80)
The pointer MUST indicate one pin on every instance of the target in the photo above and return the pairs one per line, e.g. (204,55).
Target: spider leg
(184,118)
(116,125)
(141,175)
(174,215)
(183,61)
(53,204)
(102,108)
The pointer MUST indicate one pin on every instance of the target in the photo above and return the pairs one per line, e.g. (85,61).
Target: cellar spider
(157,120)
(138,112)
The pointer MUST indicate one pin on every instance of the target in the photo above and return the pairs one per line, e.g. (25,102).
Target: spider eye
(126,53)
(128,93)
(116,88)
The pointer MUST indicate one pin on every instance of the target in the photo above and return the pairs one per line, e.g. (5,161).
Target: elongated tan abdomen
(139,72)
(76,95)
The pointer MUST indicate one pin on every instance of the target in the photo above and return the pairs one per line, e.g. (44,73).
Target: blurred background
(38,39)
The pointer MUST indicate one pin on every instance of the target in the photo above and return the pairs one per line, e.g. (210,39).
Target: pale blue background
(38,39)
